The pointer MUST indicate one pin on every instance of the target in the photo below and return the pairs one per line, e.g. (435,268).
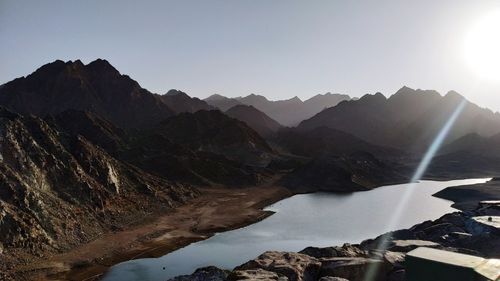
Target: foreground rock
(382,258)
(294,266)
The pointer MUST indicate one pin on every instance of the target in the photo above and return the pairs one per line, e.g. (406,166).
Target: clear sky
(276,48)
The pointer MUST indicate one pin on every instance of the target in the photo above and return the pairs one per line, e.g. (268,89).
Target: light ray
(372,270)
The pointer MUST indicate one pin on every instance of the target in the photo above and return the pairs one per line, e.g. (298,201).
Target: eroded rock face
(347,250)
(59,190)
(295,266)
(255,275)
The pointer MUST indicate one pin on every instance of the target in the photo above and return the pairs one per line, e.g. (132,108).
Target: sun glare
(482,47)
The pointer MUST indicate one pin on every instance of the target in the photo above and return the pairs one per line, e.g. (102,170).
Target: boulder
(354,268)
(347,250)
(394,259)
(295,266)
(209,273)
(255,275)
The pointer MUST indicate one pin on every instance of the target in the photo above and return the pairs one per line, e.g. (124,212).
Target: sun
(482,47)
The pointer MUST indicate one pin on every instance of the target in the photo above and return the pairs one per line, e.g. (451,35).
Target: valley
(96,170)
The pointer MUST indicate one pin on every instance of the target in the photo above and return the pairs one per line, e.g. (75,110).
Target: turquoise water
(317,219)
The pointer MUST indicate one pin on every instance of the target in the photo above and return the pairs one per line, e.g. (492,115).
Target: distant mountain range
(287,112)
(409,119)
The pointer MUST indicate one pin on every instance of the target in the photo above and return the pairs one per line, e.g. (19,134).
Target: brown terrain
(215,210)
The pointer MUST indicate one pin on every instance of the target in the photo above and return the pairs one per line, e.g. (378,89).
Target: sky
(275,48)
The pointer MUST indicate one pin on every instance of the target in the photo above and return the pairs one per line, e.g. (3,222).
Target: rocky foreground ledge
(476,233)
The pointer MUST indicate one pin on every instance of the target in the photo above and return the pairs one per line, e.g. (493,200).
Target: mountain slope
(180,102)
(59,190)
(409,119)
(359,171)
(326,141)
(221,102)
(255,119)
(213,131)
(155,153)
(97,87)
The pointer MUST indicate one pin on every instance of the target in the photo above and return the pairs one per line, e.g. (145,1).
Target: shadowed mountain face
(255,119)
(94,128)
(286,112)
(409,119)
(326,141)
(359,171)
(155,153)
(476,144)
(180,102)
(59,190)
(213,131)
(97,87)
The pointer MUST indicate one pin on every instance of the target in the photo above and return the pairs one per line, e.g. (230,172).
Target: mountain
(318,103)
(221,102)
(475,143)
(326,141)
(97,87)
(60,190)
(255,119)
(154,153)
(180,102)
(287,112)
(213,131)
(359,171)
(409,119)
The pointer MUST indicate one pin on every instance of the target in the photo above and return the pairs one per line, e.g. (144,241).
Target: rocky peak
(97,87)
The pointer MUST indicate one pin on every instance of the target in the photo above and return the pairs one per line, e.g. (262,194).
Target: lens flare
(372,270)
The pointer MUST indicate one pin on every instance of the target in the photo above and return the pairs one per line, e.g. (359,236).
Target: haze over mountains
(287,112)
(88,141)
(409,119)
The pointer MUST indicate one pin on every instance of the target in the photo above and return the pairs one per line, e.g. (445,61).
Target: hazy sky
(279,49)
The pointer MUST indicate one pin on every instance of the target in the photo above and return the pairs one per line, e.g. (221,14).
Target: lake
(317,219)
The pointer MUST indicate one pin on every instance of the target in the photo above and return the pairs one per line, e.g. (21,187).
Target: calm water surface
(318,219)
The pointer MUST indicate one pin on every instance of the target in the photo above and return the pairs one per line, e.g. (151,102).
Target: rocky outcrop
(255,275)
(210,273)
(59,190)
(295,266)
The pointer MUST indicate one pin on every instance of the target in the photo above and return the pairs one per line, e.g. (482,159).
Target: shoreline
(215,210)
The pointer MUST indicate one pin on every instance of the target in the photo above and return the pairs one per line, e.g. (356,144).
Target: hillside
(255,119)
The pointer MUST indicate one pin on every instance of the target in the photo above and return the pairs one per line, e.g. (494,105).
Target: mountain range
(84,143)
(286,112)
(409,119)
